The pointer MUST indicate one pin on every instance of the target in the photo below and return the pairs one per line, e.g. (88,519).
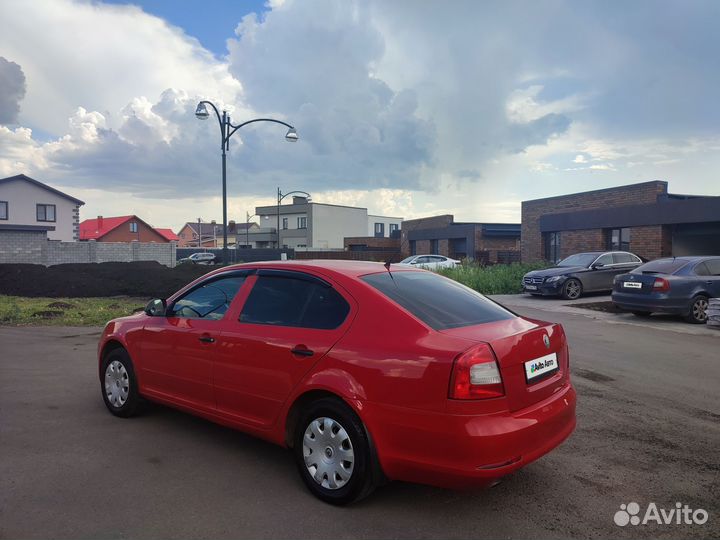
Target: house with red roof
(123,229)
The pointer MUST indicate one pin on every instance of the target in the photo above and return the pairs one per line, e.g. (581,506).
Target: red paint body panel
(391,368)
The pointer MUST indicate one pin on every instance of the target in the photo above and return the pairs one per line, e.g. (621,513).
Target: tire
(572,289)
(698,310)
(118,384)
(641,313)
(333,430)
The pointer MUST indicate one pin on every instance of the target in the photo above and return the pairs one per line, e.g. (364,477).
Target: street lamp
(227,129)
(280,197)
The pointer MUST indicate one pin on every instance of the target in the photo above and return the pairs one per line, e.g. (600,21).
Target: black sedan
(579,273)
(679,285)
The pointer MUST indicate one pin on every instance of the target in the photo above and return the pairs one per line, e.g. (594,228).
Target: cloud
(12,90)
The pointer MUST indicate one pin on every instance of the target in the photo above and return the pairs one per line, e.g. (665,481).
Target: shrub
(497,279)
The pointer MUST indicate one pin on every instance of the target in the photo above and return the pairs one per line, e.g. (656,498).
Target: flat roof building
(642,218)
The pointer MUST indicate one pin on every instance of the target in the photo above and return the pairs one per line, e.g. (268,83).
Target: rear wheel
(572,289)
(119,385)
(698,310)
(332,453)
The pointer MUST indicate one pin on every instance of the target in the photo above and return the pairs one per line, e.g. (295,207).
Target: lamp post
(227,130)
(280,197)
(247,228)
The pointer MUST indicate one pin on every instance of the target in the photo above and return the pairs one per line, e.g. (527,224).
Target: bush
(498,279)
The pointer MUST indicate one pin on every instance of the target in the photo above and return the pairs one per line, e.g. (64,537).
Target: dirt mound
(141,279)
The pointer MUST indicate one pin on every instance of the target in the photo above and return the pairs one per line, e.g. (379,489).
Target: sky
(408,108)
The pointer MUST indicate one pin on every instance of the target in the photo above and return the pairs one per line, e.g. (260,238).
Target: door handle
(302,351)
(207,339)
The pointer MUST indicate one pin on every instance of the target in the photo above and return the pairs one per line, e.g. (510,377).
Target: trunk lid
(523,354)
(637,283)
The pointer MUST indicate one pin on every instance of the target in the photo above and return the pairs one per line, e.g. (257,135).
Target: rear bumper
(459,451)
(652,302)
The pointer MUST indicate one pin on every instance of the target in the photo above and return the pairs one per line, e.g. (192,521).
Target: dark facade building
(482,242)
(642,218)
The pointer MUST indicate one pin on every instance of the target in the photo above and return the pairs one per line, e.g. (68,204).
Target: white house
(29,204)
(306,224)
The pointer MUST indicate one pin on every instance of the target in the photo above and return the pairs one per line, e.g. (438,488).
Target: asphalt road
(648,431)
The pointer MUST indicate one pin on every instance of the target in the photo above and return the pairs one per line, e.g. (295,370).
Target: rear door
(288,322)
(712,280)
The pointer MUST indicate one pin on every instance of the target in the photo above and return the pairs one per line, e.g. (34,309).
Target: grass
(498,279)
(18,310)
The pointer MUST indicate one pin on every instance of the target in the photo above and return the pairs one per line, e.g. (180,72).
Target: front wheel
(572,289)
(332,453)
(119,385)
(698,310)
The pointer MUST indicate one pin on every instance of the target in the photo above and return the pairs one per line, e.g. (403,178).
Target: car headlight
(553,279)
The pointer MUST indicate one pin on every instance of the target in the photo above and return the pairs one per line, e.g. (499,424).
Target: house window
(302,223)
(45,212)
(285,223)
(394,230)
(433,246)
(379,230)
(552,246)
(619,239)
(3,210)
(133,227)
(413,248)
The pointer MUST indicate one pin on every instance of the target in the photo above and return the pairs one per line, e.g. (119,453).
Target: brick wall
(488,248)
(434,222)
(532,247)
(651,242)
(584,240)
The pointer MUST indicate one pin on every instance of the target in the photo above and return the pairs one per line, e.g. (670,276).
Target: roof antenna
(387,267)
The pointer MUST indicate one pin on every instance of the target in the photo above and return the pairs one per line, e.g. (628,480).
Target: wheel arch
(109,346)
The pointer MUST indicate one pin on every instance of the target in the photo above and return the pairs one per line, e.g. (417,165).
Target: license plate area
(632,285)
(540,368)
(531,287)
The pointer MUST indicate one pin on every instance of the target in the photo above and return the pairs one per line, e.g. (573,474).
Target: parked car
(680,285)
(203,257)
(355,367)
(580,273)
(430,262)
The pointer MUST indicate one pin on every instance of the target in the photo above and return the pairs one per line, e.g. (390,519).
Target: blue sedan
(679,285)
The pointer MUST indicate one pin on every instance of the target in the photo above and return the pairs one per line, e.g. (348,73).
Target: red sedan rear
(366,373)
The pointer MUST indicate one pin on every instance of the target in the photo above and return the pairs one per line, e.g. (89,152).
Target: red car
(367,373)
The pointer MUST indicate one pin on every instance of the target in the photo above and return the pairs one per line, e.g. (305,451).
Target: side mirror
(156,307)
(597,265)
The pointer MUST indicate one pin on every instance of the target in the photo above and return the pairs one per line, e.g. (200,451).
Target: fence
(239,255)
(33,247)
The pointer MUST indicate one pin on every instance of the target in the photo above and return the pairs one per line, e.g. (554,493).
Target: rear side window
(701,270)
(713,266)
(621,258)
(439,302)
(287,301)
(661,266)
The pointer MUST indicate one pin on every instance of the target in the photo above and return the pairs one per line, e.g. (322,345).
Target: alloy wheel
(699,309)
(573,289)
(328,453)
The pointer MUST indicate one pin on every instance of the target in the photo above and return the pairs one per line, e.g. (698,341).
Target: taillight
(475,375)
(661,285)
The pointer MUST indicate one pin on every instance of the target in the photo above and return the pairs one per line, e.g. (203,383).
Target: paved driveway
(649,431)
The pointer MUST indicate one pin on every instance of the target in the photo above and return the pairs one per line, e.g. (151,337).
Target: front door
(289,321)
(178,348)
(601,277)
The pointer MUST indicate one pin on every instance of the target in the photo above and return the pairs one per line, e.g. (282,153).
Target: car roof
(329,266)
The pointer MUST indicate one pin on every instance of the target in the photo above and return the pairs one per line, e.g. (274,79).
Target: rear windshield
(661,266)
(439,302)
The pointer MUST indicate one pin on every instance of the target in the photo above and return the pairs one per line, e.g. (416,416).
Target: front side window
(296,302)
(45,212)
(3,210)
(302,223)
(419,293)
(210,300)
